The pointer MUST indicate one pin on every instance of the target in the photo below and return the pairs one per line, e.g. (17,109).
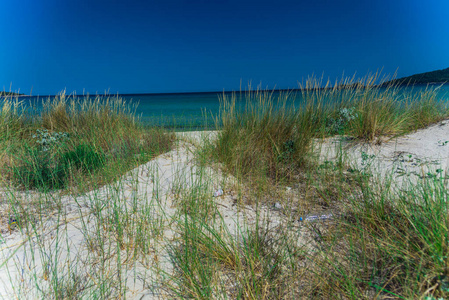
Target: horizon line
(184,93)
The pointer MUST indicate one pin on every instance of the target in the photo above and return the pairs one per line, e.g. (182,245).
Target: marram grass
(69,139)
(272,138)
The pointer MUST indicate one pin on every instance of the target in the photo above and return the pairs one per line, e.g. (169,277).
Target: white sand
(407,158)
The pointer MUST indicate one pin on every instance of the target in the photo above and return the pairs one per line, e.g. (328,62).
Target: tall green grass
(272,136)
(264,136)
(371,108)
(69,138)
(390,243)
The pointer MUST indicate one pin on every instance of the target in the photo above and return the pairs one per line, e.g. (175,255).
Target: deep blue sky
(175,46)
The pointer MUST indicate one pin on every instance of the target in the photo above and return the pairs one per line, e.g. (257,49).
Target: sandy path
(63,242)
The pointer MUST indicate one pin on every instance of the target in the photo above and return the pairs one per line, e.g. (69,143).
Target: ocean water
(192,111)
(188,110)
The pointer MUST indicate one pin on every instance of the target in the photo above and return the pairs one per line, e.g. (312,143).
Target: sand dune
(159,185)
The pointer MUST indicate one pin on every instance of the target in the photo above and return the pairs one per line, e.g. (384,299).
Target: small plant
(48,140)
(441,143)
(366,158)
(327,165)
(71,286)
(288,150)
(437,175)
(344,117)
(39,167)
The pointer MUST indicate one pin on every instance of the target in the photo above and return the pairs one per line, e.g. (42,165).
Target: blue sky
(185,46)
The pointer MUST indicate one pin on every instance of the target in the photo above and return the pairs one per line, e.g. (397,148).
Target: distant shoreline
(3,94)
(400,84)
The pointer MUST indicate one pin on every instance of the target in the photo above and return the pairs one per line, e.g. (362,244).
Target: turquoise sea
(191,111)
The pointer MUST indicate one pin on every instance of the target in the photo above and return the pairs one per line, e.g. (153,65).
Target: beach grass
(272,138)
(68,140)
(65,148)
(388,243)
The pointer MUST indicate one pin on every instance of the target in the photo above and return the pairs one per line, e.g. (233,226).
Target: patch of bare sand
(406,159)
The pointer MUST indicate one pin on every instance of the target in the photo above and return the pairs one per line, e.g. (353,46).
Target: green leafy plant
(288,149)
(48,140)
(367,159)
(84,157)
(343,116)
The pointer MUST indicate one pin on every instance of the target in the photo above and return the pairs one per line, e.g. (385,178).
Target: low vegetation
(289,225)
(268,136)
(67,139)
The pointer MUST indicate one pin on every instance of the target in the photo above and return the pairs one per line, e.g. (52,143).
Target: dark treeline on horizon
(438,76)
(2,93)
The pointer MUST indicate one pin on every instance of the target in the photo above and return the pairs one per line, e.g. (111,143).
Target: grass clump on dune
(210,261)
(267,137)
(273,136)
(388,244)
(68,139)
(371,109)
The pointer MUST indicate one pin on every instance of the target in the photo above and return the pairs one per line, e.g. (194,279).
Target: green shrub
(84,157)
(43,169)
(37,169)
